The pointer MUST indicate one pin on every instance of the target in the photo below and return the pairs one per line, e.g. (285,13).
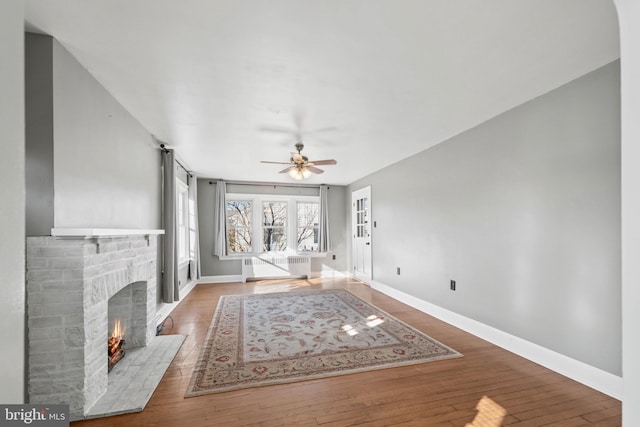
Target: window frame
(257,231)
(182,229)
(315,227)
(251,203)
(286,228)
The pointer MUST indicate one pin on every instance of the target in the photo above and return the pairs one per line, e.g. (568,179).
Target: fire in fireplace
(115,345)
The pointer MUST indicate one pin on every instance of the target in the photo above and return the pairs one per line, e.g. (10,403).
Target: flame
(118,330)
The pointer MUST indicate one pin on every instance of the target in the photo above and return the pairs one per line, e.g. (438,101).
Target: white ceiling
(380,79)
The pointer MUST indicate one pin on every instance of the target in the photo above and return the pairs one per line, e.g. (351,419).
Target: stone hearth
(69,283)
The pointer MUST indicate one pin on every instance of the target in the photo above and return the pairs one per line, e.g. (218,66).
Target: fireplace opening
(116,345)
(126,327)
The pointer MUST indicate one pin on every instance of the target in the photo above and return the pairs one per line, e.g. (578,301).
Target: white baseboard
(238,277)
(590,376)
(331,274)
(232,278)
(163,312)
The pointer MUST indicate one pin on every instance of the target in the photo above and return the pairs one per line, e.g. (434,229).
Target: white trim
(163,312)
(272,254)
(182,229)
(328,274)
(590,376)
(102,232)
(232,278)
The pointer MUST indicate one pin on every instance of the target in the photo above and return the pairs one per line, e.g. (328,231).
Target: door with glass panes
(361,227)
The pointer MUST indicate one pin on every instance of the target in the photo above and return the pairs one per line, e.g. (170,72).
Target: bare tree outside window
(239,226)
(286,224)
(274,226)
(308,220)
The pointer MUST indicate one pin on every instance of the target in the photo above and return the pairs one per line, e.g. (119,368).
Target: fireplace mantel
(89,233)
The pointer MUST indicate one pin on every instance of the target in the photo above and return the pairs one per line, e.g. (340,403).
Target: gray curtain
(194,229)
(170,289)
(324,242)
(220,220)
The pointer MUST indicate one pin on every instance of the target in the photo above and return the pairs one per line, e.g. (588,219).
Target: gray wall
(98,144)
(212,266)
(39,134)
(12,202)
(106,169)
(523,212)
(90,163)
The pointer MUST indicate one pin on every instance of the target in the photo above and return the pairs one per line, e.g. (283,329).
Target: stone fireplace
(70,281)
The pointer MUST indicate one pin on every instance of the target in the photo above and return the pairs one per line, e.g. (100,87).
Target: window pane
(239,240)
(239,213)
(239,226)
(180,208)
(308,219)
(275,239)
(182,222)
(274,214)
(274,221)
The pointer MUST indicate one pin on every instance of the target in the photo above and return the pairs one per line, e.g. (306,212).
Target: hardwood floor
(441,393)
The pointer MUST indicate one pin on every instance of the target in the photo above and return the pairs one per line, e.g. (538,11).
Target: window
(183,221)
(193,229)
(274,226)
(239,229)
(307,232)
(275,223)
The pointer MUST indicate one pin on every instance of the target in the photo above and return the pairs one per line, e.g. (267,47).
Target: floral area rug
(264,339)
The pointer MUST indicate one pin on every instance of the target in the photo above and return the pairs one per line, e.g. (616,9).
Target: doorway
(361,227)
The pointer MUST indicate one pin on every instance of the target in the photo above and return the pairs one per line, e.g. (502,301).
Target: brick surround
(69,284)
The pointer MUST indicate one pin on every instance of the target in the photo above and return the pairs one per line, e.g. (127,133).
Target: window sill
(275,254)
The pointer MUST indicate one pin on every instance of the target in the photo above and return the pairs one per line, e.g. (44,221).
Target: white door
(361,227)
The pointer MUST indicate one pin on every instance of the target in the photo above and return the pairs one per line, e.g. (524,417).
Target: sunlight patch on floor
(275,285)
(490,414)
(370,322)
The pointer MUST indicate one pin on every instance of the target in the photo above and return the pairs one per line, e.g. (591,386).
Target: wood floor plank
(440,393)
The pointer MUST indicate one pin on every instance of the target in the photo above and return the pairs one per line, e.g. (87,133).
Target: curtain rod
(185,169)
(166,150)
(265,184)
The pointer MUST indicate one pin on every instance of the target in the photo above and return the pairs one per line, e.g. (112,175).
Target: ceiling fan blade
(278,129)
(274,163)
(324,162)
(322,130)
(298,118)
(315,169)
(285,170)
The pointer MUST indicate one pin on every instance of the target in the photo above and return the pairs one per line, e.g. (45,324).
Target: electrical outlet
(398,270)
(453,285)
(333,256)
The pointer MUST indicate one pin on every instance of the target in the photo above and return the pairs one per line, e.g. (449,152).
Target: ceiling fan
(300,166)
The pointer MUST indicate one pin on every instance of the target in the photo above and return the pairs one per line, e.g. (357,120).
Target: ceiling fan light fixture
(296,174)
(300,167)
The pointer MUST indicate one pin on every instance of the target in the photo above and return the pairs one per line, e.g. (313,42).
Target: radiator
(263,267)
